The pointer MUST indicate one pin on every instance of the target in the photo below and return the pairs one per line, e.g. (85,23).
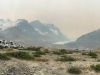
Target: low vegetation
(62,52)
(1,47)
(38,53)
(84,53)
(96,67)
(61,56)
(74,70)
(46,51)
(9,49)
(41,60)
(92,54)
(98,60)
(3,56)
(20,55)
(33,48)
(66,58)
(56,52)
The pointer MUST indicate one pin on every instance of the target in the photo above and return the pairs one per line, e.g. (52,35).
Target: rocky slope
(87,41)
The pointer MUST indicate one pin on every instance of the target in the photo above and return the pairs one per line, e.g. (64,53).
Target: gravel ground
(22,67)
(52,67)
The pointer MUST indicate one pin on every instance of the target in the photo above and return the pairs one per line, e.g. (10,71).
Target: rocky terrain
(16,66)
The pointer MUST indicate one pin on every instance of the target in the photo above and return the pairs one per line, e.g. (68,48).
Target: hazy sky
(73,17)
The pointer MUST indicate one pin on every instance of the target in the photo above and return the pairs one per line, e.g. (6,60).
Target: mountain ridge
(31,33)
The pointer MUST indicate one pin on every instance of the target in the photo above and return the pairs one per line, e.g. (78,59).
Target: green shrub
(41,60)
(3,56)
(66,58)
(98,60)
(57,52)
(63,56)
(69,52)
(74,70)
(40,52)
(20,55)
(95,67)
(84,53)
(84,60)
(1,47)
(63,51)
(37,55)
(93,55)
(33,48)
(46,51)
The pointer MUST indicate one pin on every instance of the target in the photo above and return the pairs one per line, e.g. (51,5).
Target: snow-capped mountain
(45,28)
(33,33)
(4,24)
(49,30)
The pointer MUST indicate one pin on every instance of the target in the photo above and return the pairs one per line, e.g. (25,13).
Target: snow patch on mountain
(62,42)
(4,24)
(54,31)
(39,31)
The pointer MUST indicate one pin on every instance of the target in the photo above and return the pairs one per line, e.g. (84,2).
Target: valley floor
(52,67)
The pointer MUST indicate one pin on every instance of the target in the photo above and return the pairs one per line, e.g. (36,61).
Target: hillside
(88,41)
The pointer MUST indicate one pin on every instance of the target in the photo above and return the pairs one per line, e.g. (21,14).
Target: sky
(73,17)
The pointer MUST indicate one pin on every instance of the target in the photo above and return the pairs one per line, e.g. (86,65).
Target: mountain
(49,31)
(22,32)
(33,33)
(88,41)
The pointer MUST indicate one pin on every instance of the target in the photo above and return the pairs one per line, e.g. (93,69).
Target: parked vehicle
(1,42)
(8,44)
